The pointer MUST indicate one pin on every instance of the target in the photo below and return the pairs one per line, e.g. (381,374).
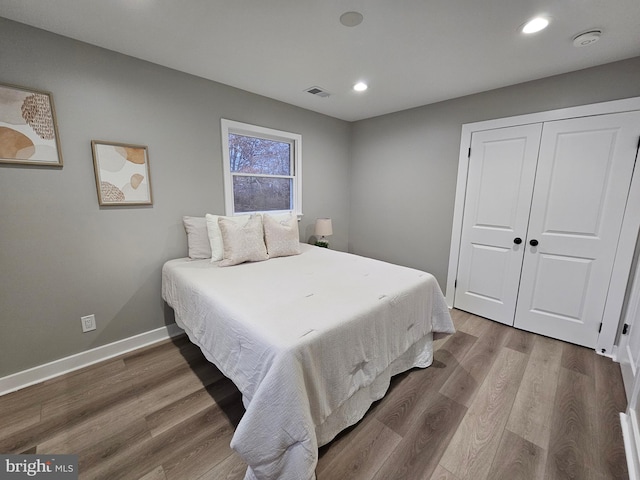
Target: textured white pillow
(279,216)
(281,235)
(215,237)
(242,243)
(197,237)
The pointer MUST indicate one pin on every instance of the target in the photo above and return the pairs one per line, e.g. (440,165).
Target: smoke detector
(317,91)
(351,19)
(587,38)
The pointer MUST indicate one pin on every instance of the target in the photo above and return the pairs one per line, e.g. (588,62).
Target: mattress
(311,341)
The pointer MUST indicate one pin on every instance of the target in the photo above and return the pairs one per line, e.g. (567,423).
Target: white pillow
(242,243)
(215,237)
(197,237)
(281,235)
(279,216)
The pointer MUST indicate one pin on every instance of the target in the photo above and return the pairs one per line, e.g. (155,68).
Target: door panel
(560,286)
(486,258)
(575,207)
(582,182)
(500,184)
(500,180)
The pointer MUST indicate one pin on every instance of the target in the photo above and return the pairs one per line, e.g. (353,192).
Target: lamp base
(322,242)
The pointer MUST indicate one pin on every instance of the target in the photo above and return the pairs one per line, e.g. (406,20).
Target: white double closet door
(543,212)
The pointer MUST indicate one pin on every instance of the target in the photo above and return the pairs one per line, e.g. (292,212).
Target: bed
(310,340)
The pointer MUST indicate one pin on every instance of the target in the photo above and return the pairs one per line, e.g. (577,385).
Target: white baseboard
(629,432)
(39,374)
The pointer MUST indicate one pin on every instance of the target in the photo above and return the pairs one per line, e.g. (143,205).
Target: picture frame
(28,127)
(122,173)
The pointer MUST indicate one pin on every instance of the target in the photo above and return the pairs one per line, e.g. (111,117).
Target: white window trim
(231,126)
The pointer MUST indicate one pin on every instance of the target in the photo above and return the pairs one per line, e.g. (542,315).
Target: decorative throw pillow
(242,243)
(197,237)
(281,235)
(215,237)
(279,216)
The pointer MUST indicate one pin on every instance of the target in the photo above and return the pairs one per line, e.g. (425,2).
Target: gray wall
(388,183)
(404,165)
(61,255)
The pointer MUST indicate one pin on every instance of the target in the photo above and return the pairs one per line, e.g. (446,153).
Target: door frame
(630,225)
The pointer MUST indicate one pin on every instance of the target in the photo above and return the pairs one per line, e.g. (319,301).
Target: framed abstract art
(122,173)
(28,129)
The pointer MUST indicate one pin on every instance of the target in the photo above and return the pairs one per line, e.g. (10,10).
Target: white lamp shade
(323,227)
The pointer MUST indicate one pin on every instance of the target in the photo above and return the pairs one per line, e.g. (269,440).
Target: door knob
(517,240)
(533,242)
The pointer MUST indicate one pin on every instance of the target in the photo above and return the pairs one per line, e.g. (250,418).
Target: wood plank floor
(497,403)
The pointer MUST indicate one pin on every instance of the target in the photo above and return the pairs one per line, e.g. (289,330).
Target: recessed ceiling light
(360,87)
(535,25)
(351,19)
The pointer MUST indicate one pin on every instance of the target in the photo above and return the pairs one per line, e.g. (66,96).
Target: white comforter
(310,341)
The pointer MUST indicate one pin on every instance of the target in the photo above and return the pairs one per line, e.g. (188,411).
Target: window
(261,169)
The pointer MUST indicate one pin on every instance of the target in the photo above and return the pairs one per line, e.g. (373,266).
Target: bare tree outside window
(261,171)
(259,155)
(259,194)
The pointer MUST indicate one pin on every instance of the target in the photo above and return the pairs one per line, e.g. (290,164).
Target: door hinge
(455,283)
(638,147)
(469,154)
(625,329)
(600,327)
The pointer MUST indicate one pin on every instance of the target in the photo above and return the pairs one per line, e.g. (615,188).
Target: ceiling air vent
(318,92)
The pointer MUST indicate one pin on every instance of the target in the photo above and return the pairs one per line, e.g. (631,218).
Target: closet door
(502,168)
(582,183)
(629,347)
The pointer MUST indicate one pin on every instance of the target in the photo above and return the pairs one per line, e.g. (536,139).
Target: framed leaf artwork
(122,173)
(28,129)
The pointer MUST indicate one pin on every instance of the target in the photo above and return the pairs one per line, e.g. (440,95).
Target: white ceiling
(411,52)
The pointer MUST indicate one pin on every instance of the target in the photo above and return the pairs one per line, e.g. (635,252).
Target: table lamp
(323,229)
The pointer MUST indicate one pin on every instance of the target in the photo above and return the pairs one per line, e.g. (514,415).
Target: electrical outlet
(88,323)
